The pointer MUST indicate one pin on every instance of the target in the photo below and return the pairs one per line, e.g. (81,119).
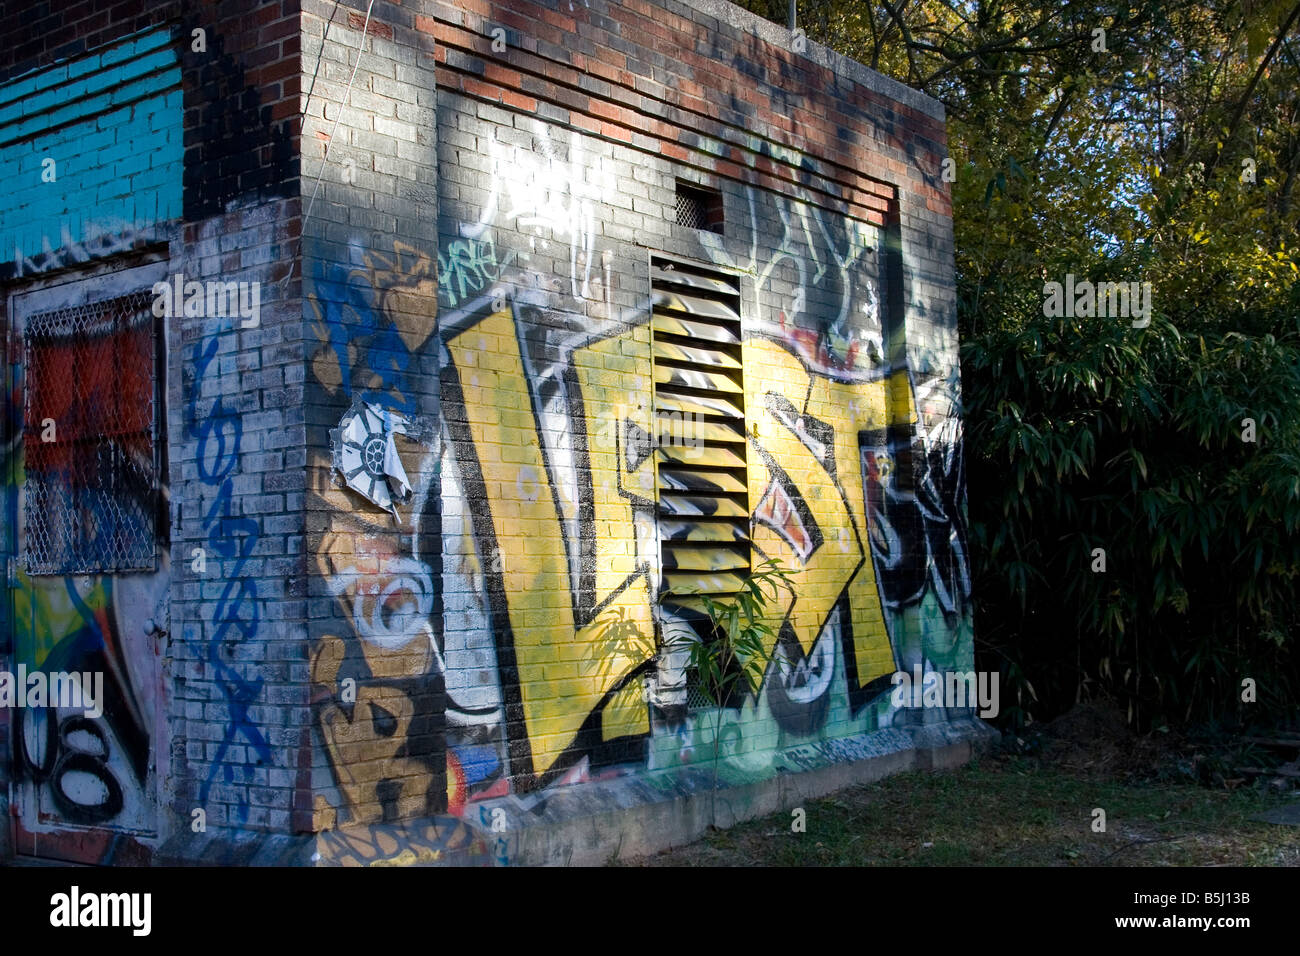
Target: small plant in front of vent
(736,648)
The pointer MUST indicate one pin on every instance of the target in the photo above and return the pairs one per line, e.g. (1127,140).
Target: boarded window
(90,494)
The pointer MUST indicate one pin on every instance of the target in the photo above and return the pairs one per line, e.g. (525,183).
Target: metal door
(88,557)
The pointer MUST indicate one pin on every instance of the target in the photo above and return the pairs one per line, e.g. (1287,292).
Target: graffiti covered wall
(597,304)
(147,142)
(487,523)
(92,149)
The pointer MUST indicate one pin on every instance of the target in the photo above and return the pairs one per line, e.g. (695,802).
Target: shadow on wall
(500,632)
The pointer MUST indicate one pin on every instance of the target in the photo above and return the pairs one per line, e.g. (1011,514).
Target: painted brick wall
(239,421)
(527,554)
(238,483)
(428,597)
(91,148)
(177,152)
(370,261)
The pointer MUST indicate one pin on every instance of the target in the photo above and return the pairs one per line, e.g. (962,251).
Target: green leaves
(1095,440)
(736,648)
(741,636)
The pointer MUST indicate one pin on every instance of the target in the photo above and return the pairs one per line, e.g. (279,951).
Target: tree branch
(1254,81)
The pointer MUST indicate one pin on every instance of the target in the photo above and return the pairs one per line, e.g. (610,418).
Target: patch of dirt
(1089,723)
(1094,738)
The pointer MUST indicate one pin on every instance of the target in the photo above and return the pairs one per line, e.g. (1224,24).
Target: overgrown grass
(1011,811)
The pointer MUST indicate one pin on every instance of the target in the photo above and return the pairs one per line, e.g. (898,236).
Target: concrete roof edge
(823,56)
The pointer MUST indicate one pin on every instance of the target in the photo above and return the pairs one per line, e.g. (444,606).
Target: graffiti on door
(95,384)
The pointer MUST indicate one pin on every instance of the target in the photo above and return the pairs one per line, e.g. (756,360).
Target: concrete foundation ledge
(627,818)
(597,822)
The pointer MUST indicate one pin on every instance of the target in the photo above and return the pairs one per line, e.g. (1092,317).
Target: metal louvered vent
(90,492)
(699,395)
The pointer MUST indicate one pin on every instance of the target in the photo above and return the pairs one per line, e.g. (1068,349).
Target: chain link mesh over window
(690,209)
(699,207)
(90,496)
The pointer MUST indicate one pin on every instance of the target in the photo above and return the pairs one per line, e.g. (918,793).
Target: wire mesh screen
(699,207)
(90,494)
(690,209)
(696,697)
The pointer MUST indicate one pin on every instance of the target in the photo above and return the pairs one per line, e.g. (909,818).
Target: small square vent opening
(699,207)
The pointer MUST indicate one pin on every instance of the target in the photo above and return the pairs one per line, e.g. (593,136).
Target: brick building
(385,378)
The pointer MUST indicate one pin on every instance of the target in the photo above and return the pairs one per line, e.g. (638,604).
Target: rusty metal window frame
(98,514)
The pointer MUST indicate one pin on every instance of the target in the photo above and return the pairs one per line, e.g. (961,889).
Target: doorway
(87,555)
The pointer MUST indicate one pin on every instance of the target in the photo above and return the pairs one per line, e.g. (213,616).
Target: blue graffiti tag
(353,321)
(232,537)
